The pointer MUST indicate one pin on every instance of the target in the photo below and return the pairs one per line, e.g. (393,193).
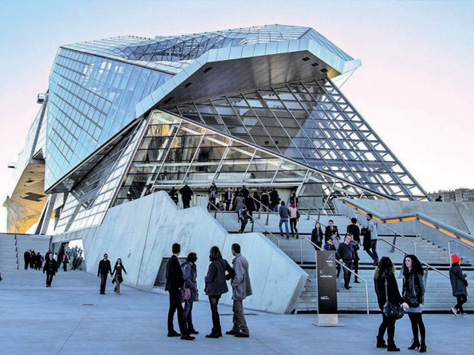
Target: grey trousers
(240,324)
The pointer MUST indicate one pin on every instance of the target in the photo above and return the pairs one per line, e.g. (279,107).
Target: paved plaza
(71,317)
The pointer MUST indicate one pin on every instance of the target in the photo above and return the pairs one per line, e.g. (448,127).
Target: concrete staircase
(9,248)
(8,259)
(438,289)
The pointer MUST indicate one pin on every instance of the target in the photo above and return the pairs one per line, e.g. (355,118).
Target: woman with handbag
(386,289)
(413,295)
(459,285)
(117,275)
(190,290)
(216,285)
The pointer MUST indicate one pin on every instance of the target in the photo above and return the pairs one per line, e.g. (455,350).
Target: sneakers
(464,315)
(455,311)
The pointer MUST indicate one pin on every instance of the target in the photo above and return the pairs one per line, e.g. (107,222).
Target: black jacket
(50,266)
(394,296)
(186,193)
(174,275)
(457,280)
(329,232)
(345,252)
(104,267)
(413,289)
(355,231)
(317,236)
(216,277)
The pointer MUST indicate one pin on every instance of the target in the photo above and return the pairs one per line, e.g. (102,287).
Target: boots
(215,333)
(414,345)
(423,347)
(392,347)
(381,343)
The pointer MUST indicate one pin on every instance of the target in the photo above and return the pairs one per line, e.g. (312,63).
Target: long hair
(116,263)
(214,253)
(416,267)
(384,268)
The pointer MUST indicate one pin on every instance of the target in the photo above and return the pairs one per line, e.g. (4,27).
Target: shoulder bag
(390,310)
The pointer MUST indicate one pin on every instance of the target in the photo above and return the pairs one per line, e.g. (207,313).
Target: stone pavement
(72,318)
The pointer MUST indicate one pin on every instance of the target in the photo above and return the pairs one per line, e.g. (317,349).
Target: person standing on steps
(317,235)
(346,255)
(413,295)
(354,230)
(65,261)
(330,230)
(372,228)
(294,215)
(241,289)
(284,213)
(386,289)
(186,195)
(27,257)
(190,275)
(274,199)
(174,284)
(117,275)
(103,270)
(239,203)
(50,267)
(174,195)
(216,286)
(459,285)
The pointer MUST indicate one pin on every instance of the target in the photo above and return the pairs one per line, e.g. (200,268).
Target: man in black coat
(27,257)
(174,283)
(186,194)
(103,271)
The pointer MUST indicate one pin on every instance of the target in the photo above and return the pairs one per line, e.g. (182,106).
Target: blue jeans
(284,220)
(187,314)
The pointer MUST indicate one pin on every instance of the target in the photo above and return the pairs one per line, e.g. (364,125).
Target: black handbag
(390,310)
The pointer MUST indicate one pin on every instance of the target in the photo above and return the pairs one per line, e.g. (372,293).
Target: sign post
(327,289)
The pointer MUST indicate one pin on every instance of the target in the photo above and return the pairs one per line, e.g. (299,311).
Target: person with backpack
(190,290)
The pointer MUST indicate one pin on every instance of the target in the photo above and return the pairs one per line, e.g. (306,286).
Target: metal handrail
(421,261)
(215,212)
(401,235)
(458,243)
(351,271)
(260,212)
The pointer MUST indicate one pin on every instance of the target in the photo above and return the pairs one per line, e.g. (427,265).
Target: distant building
(458,195)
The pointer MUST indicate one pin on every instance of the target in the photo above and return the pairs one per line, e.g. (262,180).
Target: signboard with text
(327,282)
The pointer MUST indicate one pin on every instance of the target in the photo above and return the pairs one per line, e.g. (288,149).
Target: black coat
(174,275)
(457,280)
(50,266)
(355,231)
(104,267)
(317,236)
(186,193)
(413,289)
(394,296)
(328,232)
(216,277)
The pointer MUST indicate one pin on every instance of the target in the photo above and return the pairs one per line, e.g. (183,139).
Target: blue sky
(414,87)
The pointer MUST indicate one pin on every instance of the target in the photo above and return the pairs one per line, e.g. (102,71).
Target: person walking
(216,286)
(244,217)
(190,274)
(256,200)
(265,201)
(186,195)
(227,198)
(239,203)
(32,259)
(65,261)
(274,199)
(413,295)
(372,229)
(50,268)
(26,257)
(241,289)
(174,284)
(38,261)
(117,275)
(212,196)
(294,215)
(284,213)
(103,270)
(386,289)
(354,230)
(345,254)
(459,285)
(317,235)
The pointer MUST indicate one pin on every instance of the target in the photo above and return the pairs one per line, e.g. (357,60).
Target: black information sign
(327,287)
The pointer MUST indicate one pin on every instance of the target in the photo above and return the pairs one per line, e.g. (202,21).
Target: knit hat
(455,258)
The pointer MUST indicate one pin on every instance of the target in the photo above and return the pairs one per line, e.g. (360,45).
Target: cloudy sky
(415,86)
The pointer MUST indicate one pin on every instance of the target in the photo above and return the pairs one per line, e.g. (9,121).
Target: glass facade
(90,100)
(310,122)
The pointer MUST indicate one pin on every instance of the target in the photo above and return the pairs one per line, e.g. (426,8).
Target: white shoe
(455,311)
(464,315)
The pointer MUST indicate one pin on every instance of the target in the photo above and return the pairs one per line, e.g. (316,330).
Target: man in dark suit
(174,283)
(104,269)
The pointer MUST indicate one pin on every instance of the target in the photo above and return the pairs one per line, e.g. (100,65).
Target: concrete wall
(142,232)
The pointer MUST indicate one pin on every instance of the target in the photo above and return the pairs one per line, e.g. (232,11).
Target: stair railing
(351,271)
(428,266)
(459,244)
(265,207)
